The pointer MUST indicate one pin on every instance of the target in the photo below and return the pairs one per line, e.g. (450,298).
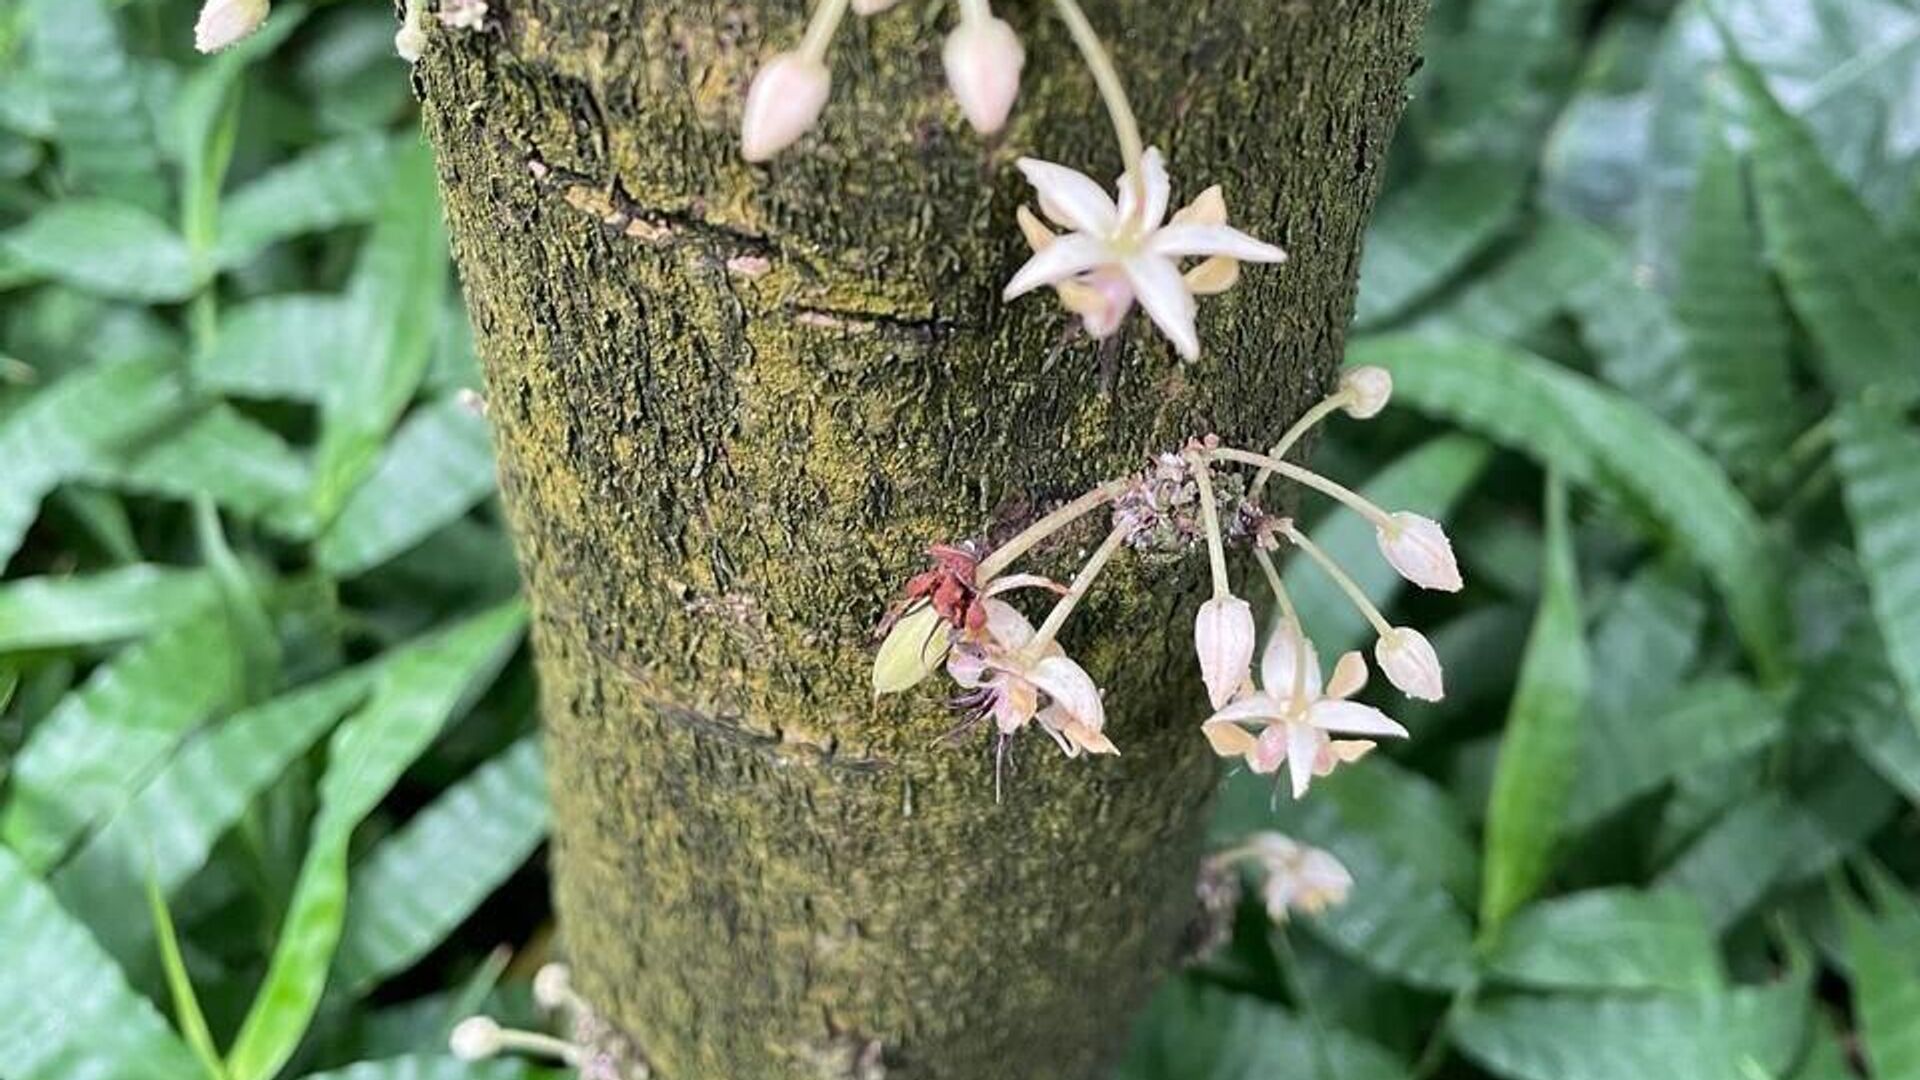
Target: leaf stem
(1105,76)
(1003,556)
(1340,578)
(826,19)
(1327,406)
(1308,477)
(1082,582)
(1210,518)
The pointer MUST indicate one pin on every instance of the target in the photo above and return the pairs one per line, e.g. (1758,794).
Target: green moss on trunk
(733,404)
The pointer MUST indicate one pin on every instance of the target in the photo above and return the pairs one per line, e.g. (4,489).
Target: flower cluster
(1290,716)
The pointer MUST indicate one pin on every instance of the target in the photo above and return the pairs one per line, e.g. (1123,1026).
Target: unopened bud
(1419,549)
(784,101)
(223,22)
(1408,659)
(872,7)
(1223,636)
(915,645)
(552,986)
(475,1038)
(983,58)
(1367,388)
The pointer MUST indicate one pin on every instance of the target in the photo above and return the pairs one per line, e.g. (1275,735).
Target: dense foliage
(1647,276)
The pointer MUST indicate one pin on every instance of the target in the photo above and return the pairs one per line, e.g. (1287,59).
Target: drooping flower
(1408,659)
(983,59)
(224,22)
(1114,255)
(1012,684)
(1292,719)
(1419,550)
(1297,877)
(784,100)
(1223,635)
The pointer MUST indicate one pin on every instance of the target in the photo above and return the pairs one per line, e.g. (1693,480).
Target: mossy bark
(735,403)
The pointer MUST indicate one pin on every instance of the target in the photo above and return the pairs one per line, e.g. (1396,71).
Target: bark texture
(734,404)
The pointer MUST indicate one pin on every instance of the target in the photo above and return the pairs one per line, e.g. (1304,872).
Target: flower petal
(1182,241)
(913,648)
(1207,208)
(1254,708)
(1419,550)
(1071,688)
(1070,197)
(1006,626)
(1074,253)
(1352,718)
(1349,675)
(1228,739)
(1159,189)
(1163,292)
(1303,748)
(1277,664)
(1223,636)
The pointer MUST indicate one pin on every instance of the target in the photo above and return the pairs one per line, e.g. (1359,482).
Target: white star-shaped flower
(1009,681)
(1114,254)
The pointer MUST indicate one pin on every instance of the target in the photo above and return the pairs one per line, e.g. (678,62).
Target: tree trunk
(735,403)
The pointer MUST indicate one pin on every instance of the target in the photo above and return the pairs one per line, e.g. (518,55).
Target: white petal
(1277,665)
(1074,253)
(1418,548)
(1227,739)
(1159,189)
(223,22)
(1024,581)
(1269,750)
(1349,675)
(1181,241)
(1352,718)
(1303,746)
(1207,208)
(1071,688)
(1071,198)
(1409,662)
(1254,708)
(1006,626)
(1158,286)
(1223,636)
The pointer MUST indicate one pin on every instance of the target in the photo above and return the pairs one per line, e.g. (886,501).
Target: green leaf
(1886,994)
(1709,1036)
(1594,436)
(1540,748)
(1852,283)
(1193,1031)
(87,758)
(339,183)
(416,693)
(438,466)
(1735,331)
(1625,756)
(1876,453)
(1428,479)
(106,248)
(186,1004)
(101,125)
(428,1067)
(1527,288)
(1631,331)
(1644,643)
(1423,234)
(242,465)
(423,881)
(71,425)
(1412,819)
(61,612)
(392,302)
(1609,939)
(65,1010)
(280,347)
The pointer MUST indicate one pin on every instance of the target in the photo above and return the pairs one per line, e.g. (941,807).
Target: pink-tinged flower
(1114,255)
(224,22)
(1408,659)
(1012,684)
(1418,548)
(983,59)
(1367,389)
(1223,636)
(1298,877)
(1292,719)
(784,101)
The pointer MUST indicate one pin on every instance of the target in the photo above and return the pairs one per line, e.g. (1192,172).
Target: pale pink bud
(872,7)
(784,101)
(223,22)
(475,1038)
(1408,659)
(983,58)
(1367,388)
(1418,548)
(552,986)
(1223,636)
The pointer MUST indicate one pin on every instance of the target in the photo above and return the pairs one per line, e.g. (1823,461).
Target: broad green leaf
(339,183)
(1609,939)
(278,347)
(60,612)
(1645,642)
(1736,334)
(102,129)
(66,1012)
(86,760)
(170,827)
(244,466)
(1876,452)
(410,892)
(428,1067)
(1853,285)
(1425,233)
(1631,332)
(391,303)
(1854,693)
(186,1003)
(1193,1031)
(1626,755)
(438,466)
(107,248)
(71,425)
(1412,819)
(1594,436)
(1500,79)
(1527,288)
(1540,746)
(1430,480)
(1886,995)
(1725,1035)
(415,695)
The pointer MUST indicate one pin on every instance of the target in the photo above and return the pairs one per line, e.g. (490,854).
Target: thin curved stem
(974,11)
(1327,407)
(1082,582)
(1290,625)
(1003,556)
(1210,517)
(1311,479)
(1340,578)
(535,1042)
(1105,76)
(820,29)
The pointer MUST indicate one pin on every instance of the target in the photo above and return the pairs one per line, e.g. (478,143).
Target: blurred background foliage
(1648,277)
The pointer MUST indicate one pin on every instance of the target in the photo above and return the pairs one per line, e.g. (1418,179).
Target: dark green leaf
(1626,755)
(438,466)
(101,126)
(1193,1031)
(1886,988)
(59,612)
(107,248)
(1424,234)
(1609,939)
(279,347)
(1877,454)
(242,465)
(339,183)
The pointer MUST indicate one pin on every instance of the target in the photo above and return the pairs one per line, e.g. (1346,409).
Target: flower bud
(913,648)
(872,7)
(1367,388)
(983,58)
(1409,662)
(475,1038)
(410,41)
(1223,636)
(552,986)
(1418,548)
(223,22)
(784,101)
